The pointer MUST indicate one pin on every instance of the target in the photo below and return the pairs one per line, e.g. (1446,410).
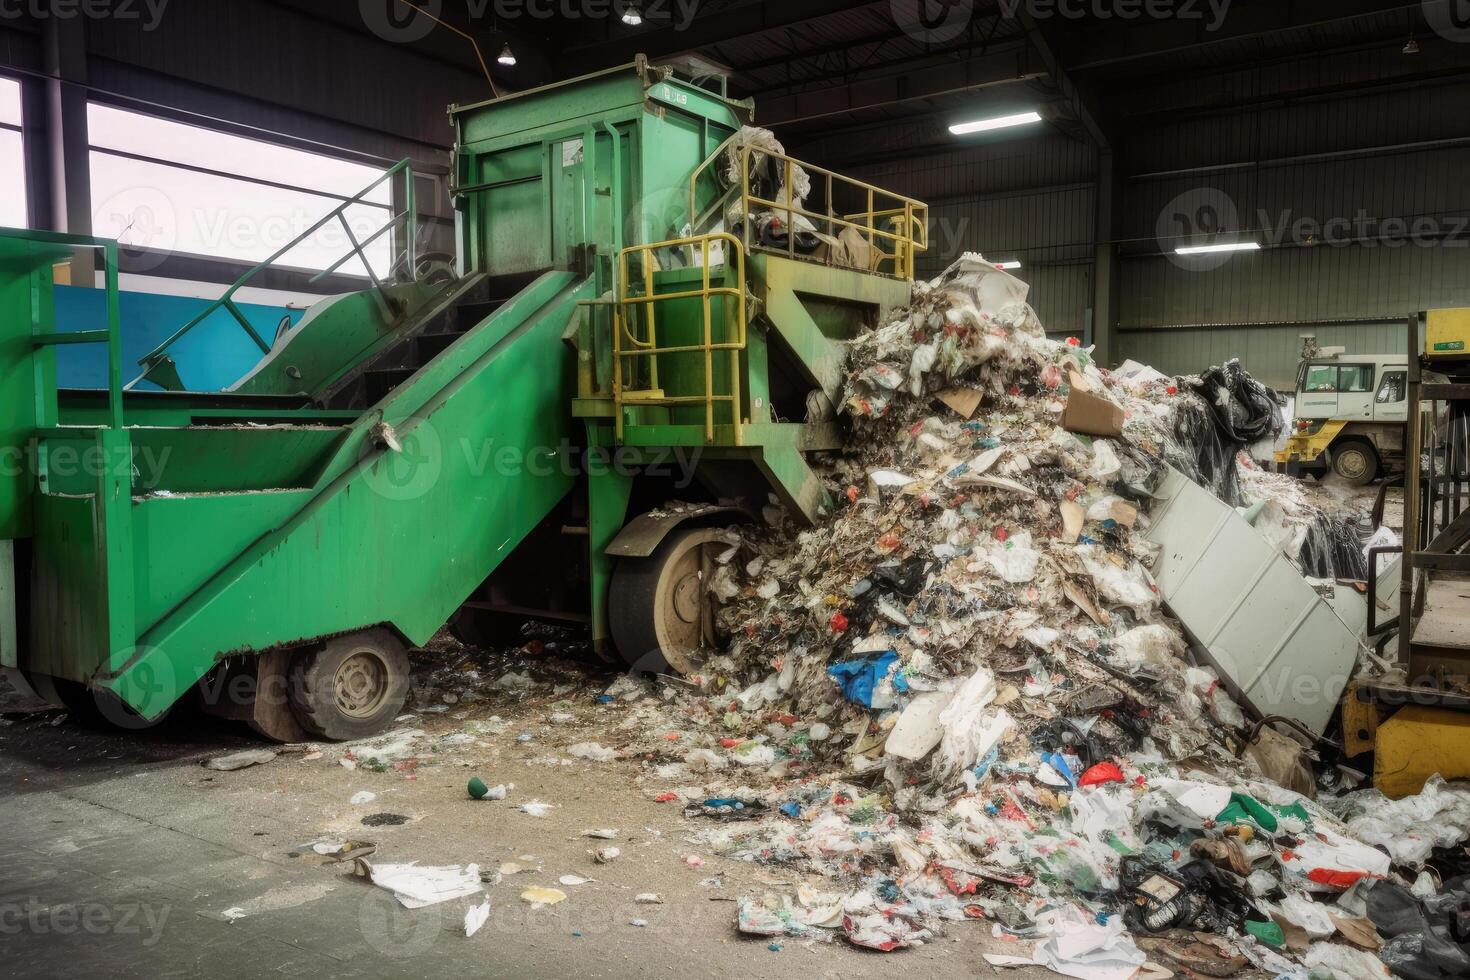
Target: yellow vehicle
(1351,415)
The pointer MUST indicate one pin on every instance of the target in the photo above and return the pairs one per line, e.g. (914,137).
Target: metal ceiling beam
(1001,68)
(1084,102)
(708,28)
(1137,41)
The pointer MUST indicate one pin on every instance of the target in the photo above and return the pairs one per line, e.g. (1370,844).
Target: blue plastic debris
(605,699)
(725,804)
(983,766)
(774,947)
(1059,763)
(792,810)
(860,678)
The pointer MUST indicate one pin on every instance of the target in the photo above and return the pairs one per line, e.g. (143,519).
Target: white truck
(1351,414)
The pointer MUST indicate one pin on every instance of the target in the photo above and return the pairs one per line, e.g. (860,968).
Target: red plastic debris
(1073,342)
(853,493)
(1103,772)
(1001,534)
(838,622)
(666,798)
(1172,389)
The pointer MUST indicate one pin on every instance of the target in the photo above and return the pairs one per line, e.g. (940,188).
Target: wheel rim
(1352,464)
(683,607)
(360,685)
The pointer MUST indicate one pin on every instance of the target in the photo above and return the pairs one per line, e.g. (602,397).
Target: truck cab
(1351,411)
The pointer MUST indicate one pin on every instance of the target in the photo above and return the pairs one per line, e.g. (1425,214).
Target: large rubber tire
(1355,461)
(102,710)
(658,609)
(352,687)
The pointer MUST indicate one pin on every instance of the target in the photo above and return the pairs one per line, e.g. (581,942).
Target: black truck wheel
(353,687)
(660,610)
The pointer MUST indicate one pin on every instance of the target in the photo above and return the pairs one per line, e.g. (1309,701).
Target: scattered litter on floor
(538,897)
(241,760)
(332,850)
(417,887)
(475,917)
(358,799)
(385,820)
(535,808)
(479,791)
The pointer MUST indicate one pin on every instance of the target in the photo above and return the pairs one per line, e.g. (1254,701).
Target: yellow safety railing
(628,347)
(907,233)
(908,218)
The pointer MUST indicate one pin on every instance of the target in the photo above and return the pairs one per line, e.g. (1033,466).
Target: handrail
(111,335)
(227,302)
(906,245)
(910,214)
(648,346)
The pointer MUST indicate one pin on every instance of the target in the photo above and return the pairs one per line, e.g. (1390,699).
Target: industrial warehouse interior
(631,488)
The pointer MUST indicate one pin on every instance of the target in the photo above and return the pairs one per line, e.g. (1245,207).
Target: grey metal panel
(1270,352)
(1276,644)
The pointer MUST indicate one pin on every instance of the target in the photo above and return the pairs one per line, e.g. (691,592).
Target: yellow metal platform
(1418,742)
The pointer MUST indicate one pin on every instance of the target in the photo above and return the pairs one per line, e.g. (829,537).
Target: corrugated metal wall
(1361,208)
(1029,200)
(1360,202)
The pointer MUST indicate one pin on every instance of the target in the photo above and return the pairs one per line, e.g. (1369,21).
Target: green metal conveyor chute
(425,495)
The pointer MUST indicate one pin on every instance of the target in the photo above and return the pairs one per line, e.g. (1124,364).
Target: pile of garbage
(961,697)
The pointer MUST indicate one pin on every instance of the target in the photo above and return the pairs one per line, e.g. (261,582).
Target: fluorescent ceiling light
(1221,247)
(507,56)
(999,122)
(1009,265)
(632,16)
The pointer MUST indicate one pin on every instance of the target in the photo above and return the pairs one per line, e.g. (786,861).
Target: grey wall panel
(1269,353)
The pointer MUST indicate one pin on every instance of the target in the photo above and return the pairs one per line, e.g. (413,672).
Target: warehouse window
(166,186)
(13,212)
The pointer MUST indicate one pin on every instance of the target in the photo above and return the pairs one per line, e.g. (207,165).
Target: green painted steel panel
(25,300)
(401,538)
(9,646)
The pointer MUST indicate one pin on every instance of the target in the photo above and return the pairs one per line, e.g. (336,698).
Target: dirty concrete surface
(123,854)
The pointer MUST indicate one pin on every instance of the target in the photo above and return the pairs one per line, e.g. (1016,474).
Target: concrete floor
(121,855)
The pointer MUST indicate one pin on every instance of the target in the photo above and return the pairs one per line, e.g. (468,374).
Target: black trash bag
(1421,943)
(1197,896)
(1333,548)
(1245,410)
(1238,411)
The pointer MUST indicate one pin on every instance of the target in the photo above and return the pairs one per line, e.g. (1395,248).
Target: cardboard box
(1091,415)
